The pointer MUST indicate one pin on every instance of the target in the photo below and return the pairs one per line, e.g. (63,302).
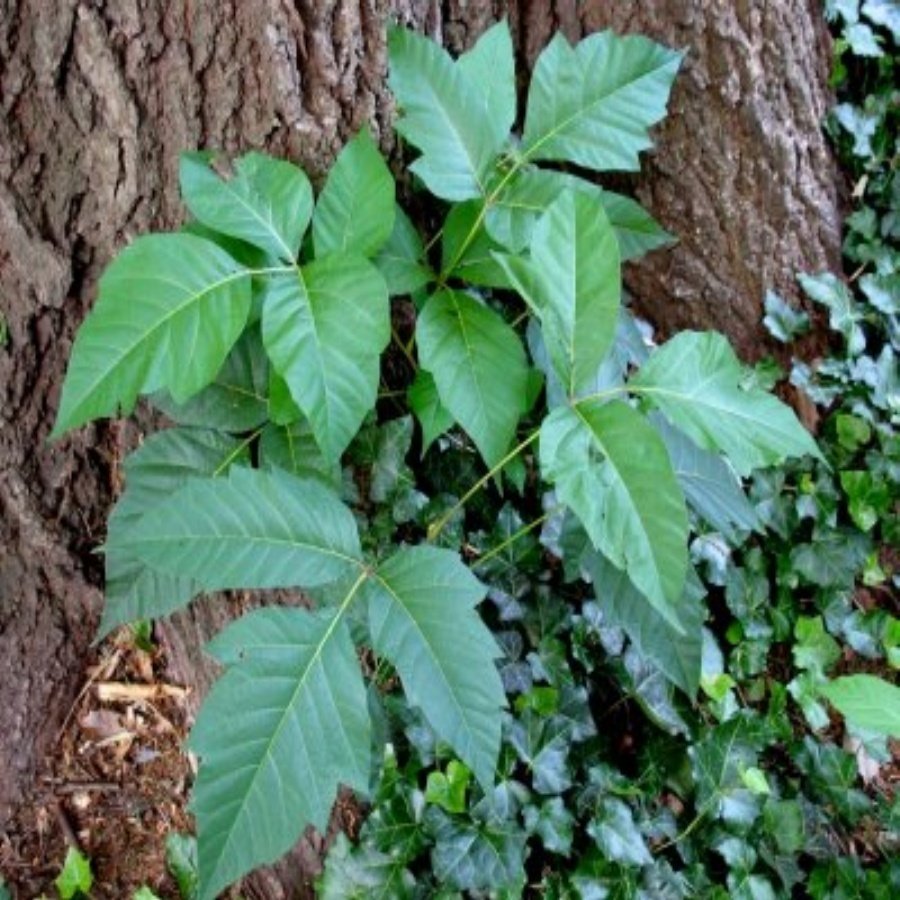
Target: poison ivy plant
(263,330)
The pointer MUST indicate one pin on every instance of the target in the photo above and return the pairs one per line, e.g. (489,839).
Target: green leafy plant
(75,879)
(262,329)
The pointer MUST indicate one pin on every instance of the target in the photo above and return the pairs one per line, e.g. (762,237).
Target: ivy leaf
(616,835)
(332,370)
(422,618)
(885,13)
(490,67)
(424,401)
(843,314)
(694,379)
(443,115)
(511,218)
(677,652)
(401,260)
(355,211)
(553,824)
(611,468)
(478,365)
(76,877)
(154,472)
(575,285)
(267,203)
(592,104)
(236,399)
(252,529)
(170,308)
(473,856)
(783,322)
(543,745)
(360,872)
(278,733)
(709,484)
(449,790)
(867,702)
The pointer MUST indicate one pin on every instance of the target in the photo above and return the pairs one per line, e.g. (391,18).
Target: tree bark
(98,99)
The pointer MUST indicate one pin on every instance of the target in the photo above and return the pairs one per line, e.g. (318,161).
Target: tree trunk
(97,101)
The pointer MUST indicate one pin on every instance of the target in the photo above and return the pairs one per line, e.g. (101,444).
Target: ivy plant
(276,324)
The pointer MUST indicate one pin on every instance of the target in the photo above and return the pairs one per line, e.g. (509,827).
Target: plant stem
(437,527)
(404,349)
(525,529)
(236,452)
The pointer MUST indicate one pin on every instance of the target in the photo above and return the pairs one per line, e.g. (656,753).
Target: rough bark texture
(96,101)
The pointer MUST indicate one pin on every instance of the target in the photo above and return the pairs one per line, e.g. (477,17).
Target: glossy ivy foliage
(261,330)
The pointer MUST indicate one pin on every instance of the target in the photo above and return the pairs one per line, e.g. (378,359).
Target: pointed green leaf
(252,529)
(324,328)
(401,260)
(443,115)
(152,473)
(422,618)
(470,259)
(280,731)
(592,104)
(76,877)
(478,364)
(294,449)
(490,67)
(867,702)
(236,399)
(267,203)
(709,484)
(676,652)
(355,211)
(694,379)
(611,468)
(513,215)
(575,284)
(170,308)
(426,404)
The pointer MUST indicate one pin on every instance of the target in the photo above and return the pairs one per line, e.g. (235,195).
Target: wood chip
(112,690)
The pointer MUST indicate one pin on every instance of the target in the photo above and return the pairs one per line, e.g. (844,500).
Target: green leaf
(615,833)
(470,259)
(153,473)
(294,449)
(424,401)
(868,496)
(815,649)
(170,308)
(490,67)
(478,365)
(279,732)
(611,468)
(694,379)
(144,893)
(361,872)
(422,618)
(553,824)
(783,322)
(449,790)
(331,369)
(252,529)
(511,218)
(592,104)
(543,746)
(76,877)
(267,203)
(281,407)
(710,486)
(843,314)
(677,652)
(181,861)
(401,260)
(867,702)
(444,115)
(355,211)
(236,399)
(575,285)
(471,856)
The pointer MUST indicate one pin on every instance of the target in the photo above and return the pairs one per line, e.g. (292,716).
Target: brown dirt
(115,785)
